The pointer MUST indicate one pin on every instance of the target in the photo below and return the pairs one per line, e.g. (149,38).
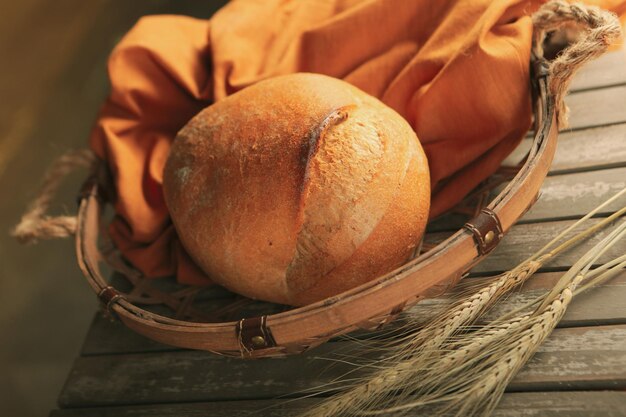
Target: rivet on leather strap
(253,334)
(486,229)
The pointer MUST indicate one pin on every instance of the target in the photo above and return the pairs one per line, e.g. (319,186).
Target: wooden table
(579,371)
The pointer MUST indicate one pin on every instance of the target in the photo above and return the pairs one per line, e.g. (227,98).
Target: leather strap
(486,229)
(253,334)
(108,297)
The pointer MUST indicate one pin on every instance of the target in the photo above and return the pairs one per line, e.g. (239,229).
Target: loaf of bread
(297,188)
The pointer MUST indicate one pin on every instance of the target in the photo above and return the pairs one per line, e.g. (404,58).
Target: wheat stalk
(492,355)
(438,352)
(422,348)
(471,372)
(419,354)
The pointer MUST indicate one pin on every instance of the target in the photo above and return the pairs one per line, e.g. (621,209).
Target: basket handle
(602,30)
(35,224)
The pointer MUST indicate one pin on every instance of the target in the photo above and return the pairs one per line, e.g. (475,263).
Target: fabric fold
(456,70)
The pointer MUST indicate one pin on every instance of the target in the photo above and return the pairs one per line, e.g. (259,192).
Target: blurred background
(52,81)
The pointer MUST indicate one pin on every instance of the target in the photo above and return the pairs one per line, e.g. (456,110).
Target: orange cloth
(457,70)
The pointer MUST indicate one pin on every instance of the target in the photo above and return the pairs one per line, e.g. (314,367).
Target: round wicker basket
(240,327)
(212,319)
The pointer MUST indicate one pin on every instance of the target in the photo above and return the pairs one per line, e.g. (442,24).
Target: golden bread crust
(296,188)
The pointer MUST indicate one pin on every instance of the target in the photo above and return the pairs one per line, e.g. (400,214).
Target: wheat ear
(472,371)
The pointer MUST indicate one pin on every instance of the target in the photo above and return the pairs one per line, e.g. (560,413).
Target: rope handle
(602,29)
(35,224)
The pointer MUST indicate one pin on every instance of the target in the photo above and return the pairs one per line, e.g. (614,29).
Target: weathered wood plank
(592,148)
(602,305)
(519,404)
(525,239)
(597,107)
(574,195)
(568,361)
(573,358)
(596,148)
(598,306)
(561,197)
(601,72)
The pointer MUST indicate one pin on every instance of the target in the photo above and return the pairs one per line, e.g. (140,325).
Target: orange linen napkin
(458,71)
